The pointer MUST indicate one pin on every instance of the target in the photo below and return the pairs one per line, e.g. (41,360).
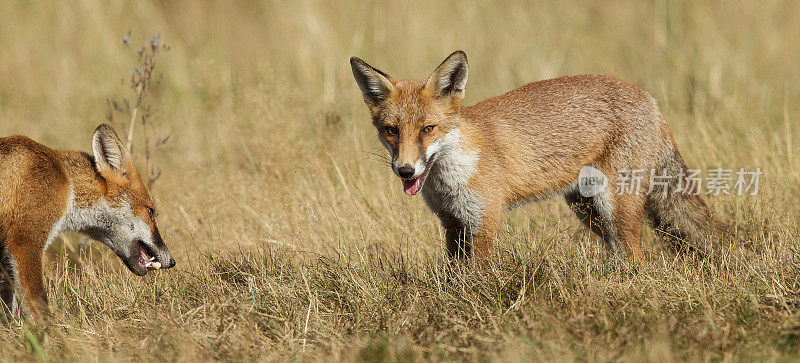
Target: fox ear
(110,155)
(450,77)
(374,84)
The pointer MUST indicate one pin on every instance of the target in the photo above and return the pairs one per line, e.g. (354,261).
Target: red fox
(44,192)
(474,162)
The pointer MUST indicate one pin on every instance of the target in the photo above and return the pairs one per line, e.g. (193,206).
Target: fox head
(417,121)
(124,216)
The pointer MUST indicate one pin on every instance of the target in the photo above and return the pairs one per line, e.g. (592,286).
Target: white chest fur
(446,190)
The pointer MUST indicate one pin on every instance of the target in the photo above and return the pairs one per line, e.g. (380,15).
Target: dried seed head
(154,41)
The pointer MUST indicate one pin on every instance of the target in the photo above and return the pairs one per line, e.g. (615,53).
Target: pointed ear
(450,77)
(374,84)
(111,157)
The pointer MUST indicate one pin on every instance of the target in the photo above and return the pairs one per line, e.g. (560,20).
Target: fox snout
(163,252)
(413,176)
(405,171)
(144,257)
(409,165)
(147,253)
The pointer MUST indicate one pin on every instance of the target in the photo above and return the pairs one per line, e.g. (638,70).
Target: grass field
(294,240)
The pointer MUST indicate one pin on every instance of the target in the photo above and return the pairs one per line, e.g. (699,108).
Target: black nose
(171,262)
(405,171)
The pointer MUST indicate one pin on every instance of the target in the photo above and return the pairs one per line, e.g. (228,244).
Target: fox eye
(391,130)
(152,213)
(428,129)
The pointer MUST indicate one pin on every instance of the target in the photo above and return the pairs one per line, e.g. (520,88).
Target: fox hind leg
(628,215)
(617,219)
(596,213)
(585,209)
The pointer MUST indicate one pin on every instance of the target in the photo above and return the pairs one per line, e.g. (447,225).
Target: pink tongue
(412,186)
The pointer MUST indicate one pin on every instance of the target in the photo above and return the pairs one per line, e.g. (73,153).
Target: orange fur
(527,144)
(44,191)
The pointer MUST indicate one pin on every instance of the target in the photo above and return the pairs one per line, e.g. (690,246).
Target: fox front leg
(483,239)
(478,242)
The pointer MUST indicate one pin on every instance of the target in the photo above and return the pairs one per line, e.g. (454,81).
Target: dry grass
(294,241)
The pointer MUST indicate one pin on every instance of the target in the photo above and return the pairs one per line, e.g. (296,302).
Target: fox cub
(471,163)
(44,192)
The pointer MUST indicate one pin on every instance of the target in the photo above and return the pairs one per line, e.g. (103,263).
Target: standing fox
(44,192)
(472,163)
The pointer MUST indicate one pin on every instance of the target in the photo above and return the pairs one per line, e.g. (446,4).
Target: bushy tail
(681,215)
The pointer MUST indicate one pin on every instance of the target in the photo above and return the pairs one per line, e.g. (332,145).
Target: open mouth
(147,260)
(414,185)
